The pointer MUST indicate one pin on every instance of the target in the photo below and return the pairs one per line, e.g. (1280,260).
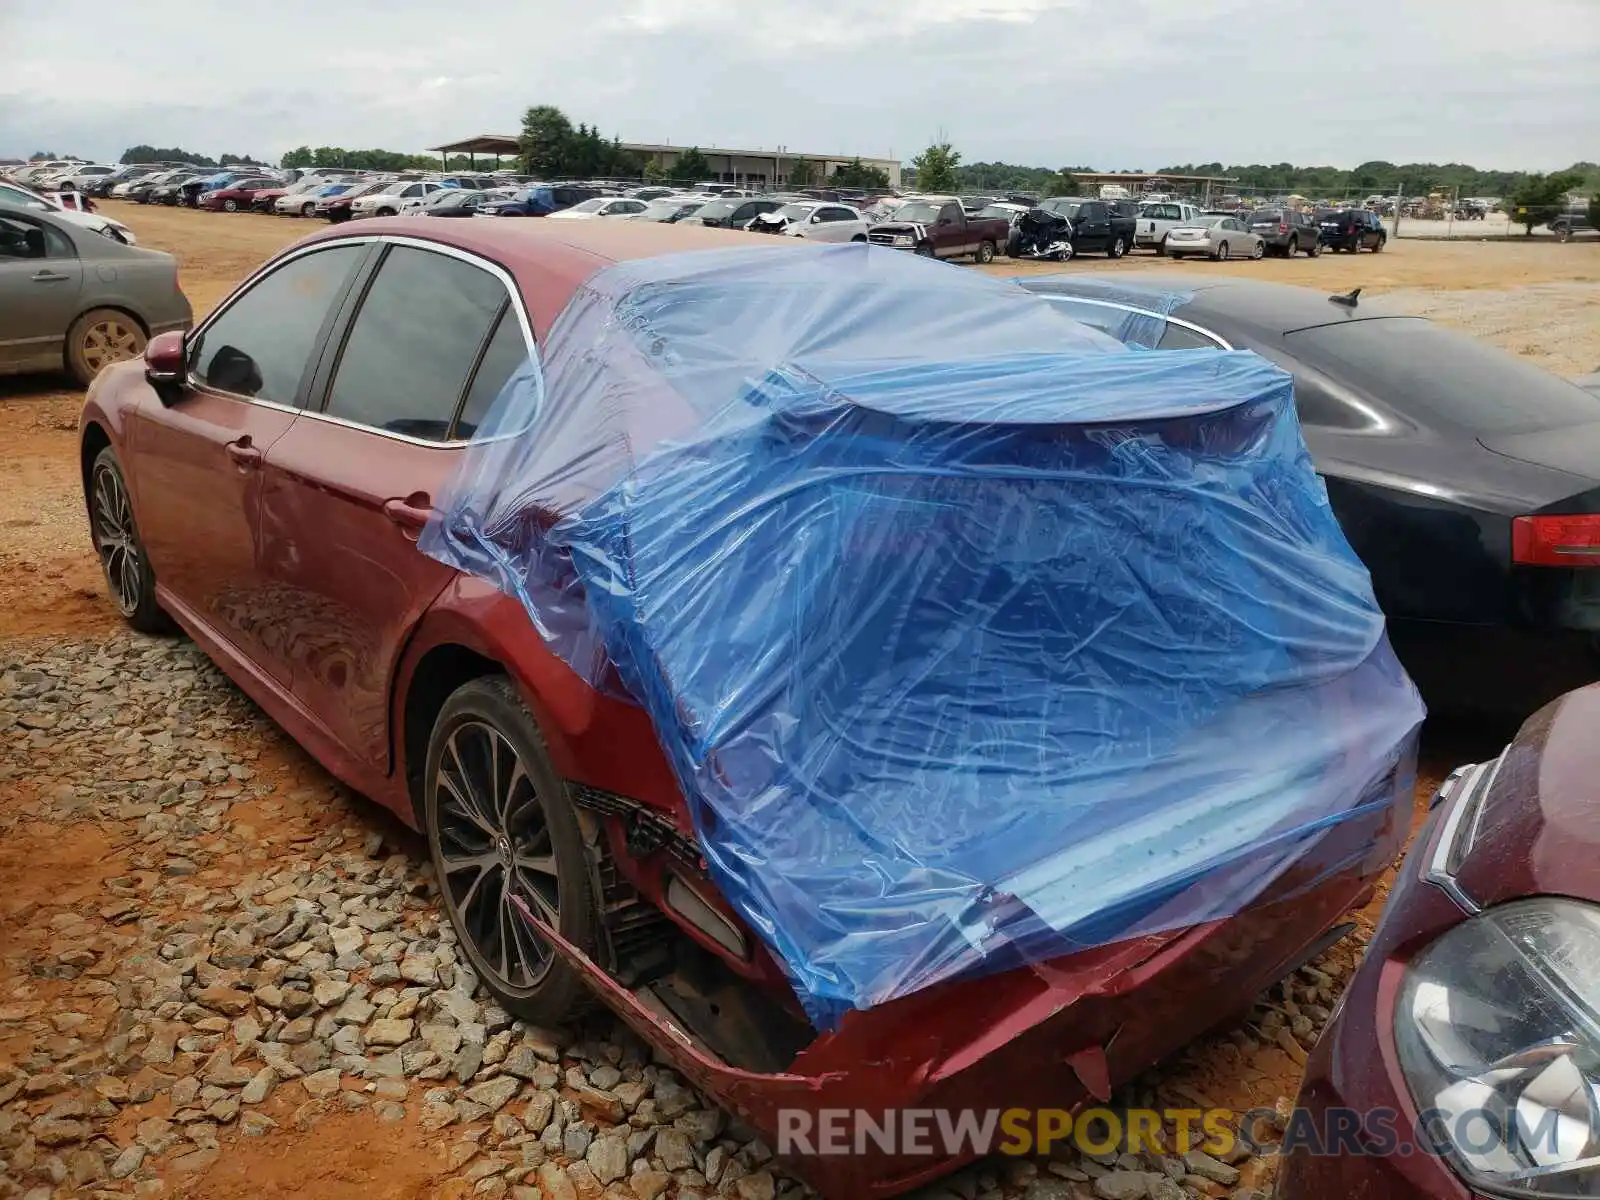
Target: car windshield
(797,212)
(658,210)
(589,206)
(1063,208)
(719,208)
(998,211)
(919,212)
(1456,378)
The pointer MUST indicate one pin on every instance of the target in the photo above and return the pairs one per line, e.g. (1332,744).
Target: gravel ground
(221,975)
(211,952)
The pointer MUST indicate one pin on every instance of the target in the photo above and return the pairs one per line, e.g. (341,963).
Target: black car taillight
(1556,541)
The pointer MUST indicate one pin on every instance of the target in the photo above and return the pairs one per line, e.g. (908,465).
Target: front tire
(386,212)
(1314,250)
(1259,250)
(500,823)
(129,579)
(1377,246)
(923,251)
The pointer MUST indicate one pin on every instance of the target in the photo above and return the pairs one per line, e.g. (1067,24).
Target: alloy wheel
(494,844)
(115,538)
(109,341)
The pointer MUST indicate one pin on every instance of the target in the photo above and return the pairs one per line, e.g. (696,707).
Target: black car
(732,212)
(1466,479)
(171,191)
(458,202)
(1098,226)
(1285,231)
(1351,229)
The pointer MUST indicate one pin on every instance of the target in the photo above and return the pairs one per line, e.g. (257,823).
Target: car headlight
(1497,1027)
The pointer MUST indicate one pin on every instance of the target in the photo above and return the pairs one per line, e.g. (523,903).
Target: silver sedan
(72,299)
(1216,237)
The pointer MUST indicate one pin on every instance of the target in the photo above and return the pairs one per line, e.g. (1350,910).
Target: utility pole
(1399,204)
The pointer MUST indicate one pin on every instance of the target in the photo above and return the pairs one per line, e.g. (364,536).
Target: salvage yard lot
(152,818)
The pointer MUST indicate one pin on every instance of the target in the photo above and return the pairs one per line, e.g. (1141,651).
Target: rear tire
(123,561)
(100,337)
(985,253)
(230,206)
(1119,247)
(499,822)
(1222,253)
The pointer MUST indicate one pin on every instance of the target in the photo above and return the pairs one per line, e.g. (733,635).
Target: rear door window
(507,353)
(262,344)
(413,343)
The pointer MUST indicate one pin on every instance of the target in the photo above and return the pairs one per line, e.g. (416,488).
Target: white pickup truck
(1156,220)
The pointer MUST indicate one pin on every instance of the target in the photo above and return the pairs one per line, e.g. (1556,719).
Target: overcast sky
(1106,83)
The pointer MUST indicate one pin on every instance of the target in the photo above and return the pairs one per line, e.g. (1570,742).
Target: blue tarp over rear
(972,637)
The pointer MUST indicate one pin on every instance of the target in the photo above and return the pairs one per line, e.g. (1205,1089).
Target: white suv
(394,199)
(815,220)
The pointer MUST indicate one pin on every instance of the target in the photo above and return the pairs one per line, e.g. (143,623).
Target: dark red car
(1464,1059)
(262,482)
(240,194)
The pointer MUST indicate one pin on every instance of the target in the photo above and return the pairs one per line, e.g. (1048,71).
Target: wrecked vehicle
(874,709)
(1041,234)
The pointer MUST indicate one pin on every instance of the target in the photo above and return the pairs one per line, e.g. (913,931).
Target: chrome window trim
(1222,342)
(277,264)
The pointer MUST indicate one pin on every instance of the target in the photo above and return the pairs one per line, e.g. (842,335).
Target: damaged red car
(1464,1059)
(882,691)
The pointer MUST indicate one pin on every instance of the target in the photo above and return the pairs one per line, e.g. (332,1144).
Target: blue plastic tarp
(972,637)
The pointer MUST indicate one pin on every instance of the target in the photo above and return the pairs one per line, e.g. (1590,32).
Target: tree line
(142,153)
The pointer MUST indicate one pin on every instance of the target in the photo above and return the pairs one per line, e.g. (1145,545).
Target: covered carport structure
(497,144)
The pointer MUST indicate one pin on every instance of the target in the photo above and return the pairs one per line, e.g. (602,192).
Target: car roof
(551,259)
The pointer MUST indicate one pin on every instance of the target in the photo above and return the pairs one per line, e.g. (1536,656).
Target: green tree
(300,156)
(654,172)
(802,172)
(1539,198)
(142,153)
(936,167)
(545,143)
(691,166)
(1061,184)
(856,174)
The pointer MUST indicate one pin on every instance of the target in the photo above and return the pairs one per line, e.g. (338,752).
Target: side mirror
(164,357)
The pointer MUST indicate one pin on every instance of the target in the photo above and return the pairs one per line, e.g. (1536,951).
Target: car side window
(950,214)
(261,345)
(506,355)
(413,343)
(1179,337)
(21,238)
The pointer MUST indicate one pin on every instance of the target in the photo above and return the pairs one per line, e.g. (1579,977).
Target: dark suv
(1286,232)
(1351,229)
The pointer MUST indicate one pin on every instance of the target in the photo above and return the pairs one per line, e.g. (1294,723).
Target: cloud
(1135,83)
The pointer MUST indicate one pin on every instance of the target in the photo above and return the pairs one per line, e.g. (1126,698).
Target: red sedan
(238,195)
(262,482)
(1464,1059)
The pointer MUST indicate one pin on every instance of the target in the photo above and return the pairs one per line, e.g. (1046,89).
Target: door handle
(243,452)
(410,514)
(45,275)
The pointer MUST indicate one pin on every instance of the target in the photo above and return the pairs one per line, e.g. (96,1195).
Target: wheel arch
(439,671)
(94,440)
